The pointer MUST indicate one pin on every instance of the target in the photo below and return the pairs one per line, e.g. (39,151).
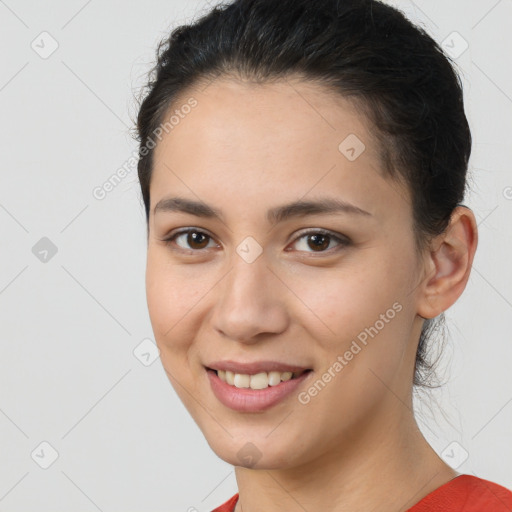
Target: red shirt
(464,493)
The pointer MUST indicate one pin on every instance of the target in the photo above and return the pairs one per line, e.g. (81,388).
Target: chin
(253,452)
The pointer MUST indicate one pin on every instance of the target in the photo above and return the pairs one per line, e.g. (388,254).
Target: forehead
(264,140)
(231,114)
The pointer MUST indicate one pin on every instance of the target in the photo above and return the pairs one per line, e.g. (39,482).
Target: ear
(448,264)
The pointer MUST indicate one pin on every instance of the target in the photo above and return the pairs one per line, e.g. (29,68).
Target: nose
(250,302)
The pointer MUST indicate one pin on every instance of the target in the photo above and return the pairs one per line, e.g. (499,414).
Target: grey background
(71,321)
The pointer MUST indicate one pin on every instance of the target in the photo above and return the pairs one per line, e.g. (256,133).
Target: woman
(302,166)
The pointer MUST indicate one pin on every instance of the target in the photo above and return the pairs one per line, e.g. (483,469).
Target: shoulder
(466,493)
(228,506)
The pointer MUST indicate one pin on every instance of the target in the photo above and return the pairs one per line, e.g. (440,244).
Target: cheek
(171,296)
(361,314)
(362,337)
(344,303)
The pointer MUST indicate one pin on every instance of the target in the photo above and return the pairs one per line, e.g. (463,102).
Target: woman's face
(249,286)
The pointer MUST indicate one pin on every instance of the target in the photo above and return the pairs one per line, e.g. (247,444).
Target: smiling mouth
(261,380)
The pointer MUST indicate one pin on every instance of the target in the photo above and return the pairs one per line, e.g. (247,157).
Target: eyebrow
(274,215)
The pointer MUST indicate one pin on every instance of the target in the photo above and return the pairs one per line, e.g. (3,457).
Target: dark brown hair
(364,50)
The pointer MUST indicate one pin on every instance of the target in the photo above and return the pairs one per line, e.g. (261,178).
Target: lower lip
(253,400)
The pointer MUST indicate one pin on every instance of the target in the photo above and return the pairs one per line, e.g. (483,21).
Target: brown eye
(320,240)
(192,239)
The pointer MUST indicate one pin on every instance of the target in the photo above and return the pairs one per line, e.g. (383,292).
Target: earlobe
(449,264)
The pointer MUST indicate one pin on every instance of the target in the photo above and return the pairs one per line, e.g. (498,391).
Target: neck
(388,465)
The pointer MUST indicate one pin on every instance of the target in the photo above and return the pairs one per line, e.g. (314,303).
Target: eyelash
(342,241)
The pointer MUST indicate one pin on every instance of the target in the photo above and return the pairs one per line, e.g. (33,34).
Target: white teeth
(258,381)
(274,378)
(242,381)
(286,375)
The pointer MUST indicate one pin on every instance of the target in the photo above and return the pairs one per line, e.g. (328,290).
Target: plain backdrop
(89,420)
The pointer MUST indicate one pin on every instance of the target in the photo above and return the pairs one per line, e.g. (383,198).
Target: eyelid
(342,240)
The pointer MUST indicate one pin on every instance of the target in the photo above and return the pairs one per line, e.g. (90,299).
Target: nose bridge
(249,301)
(247,276)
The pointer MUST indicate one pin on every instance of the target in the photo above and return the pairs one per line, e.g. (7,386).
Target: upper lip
(255,367)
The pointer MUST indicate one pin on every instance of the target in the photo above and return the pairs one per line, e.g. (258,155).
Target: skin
(244,149)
